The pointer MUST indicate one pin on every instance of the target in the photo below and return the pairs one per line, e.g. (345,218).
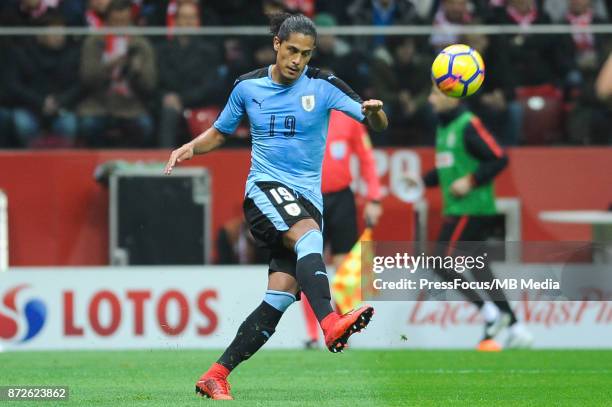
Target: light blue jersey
(288,126)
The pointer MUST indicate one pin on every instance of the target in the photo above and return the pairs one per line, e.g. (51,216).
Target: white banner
(202,307)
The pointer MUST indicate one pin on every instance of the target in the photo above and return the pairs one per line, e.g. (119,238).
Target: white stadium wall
(202,307)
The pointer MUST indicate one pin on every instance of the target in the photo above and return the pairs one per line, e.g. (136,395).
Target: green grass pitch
(319,378)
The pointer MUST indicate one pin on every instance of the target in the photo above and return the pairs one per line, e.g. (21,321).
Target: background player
(288,106)
(345,137)
(467,160)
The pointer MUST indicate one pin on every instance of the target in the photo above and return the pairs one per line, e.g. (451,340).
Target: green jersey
(464,147)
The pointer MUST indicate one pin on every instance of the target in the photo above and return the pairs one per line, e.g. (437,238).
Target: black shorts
(270,211)
(340,219)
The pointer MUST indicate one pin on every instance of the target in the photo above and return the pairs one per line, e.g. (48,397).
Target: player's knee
(279,300)
(311,242)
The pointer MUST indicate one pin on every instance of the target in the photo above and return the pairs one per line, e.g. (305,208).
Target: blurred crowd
(159,91)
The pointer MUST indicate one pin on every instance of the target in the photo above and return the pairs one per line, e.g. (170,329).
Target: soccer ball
(458,71)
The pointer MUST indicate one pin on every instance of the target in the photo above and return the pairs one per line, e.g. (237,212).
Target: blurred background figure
(587,121)
(96,13)
(539,66)
(188,75)
(30,12)
(306,7)
(261,51)
(537,59)
(118,74)
(468,159)
(236,245)
(558,9)
(450,14)
(165,12)
(44,89)
(412,115)
(603,88)
(380,13)
(6,102)
(496,103)
(330,49)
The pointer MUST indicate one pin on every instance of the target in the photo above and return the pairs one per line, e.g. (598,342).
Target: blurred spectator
(536,59)
(586,122)
(43,86)
(5,126)
(427,9)
(263,54)
(306,7)
(586,46)
(236,245)
(6,114)
(412,118)
(187,74)
(603,85)
(450,14)
(603,116)
(495,103)
(234,12)
(165,12)
(237,60)
(503,3)
(336,8)
(29,12)
(330,49)
(96,13)
(267,8)
(540,65)
(118,74)
(558,9)
(381,13)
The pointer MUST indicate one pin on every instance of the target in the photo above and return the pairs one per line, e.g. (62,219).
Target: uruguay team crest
(308,102)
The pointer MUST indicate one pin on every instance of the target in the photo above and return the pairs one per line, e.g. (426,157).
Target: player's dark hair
(283,25)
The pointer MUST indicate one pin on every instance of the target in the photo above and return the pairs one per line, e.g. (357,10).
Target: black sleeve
(431,179)
(482,146)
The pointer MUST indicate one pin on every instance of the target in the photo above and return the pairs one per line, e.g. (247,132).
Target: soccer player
(467,160)
(288,105)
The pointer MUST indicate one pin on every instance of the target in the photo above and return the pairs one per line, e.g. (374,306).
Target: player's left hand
(372,212)
(371,106)
(462,186)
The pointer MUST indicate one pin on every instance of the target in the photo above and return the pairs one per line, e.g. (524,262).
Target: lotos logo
(34,310)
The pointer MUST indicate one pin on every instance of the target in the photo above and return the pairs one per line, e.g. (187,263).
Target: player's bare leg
(306,240)
(252,335)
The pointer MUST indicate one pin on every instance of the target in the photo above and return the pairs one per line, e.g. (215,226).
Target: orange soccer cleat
(338,328)
(488,345)
(213,386)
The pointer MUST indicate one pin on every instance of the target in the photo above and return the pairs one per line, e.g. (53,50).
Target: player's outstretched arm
(205,142)
(377,119)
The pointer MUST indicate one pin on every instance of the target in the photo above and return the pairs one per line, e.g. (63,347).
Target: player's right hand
(185,152)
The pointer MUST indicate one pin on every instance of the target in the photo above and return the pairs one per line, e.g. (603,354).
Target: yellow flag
(347,280)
